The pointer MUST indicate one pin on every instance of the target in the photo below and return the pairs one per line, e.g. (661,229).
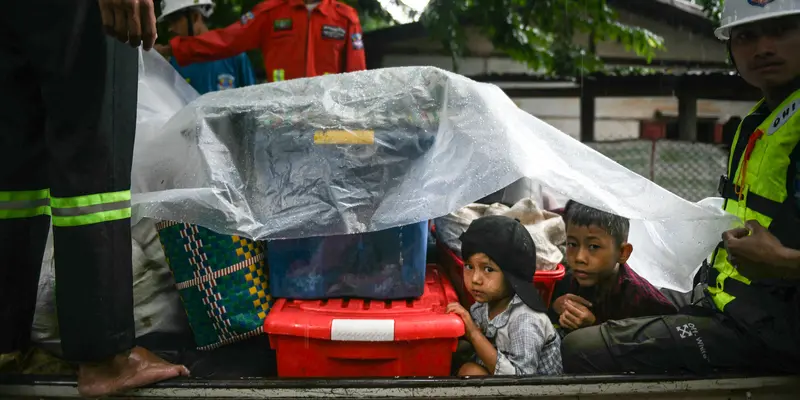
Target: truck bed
(560,387)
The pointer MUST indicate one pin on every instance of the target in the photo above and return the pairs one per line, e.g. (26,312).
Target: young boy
(600,286)
(507,326)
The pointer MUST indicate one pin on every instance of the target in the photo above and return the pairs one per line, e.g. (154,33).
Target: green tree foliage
(541,33)
(547,35)
(712,7)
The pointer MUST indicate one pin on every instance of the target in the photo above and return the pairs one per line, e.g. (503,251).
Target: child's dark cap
(511,247)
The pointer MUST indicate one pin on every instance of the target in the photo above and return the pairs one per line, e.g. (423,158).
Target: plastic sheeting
(381,265)
(245,162)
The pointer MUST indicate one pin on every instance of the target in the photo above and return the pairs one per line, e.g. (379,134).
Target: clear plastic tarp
(372,150)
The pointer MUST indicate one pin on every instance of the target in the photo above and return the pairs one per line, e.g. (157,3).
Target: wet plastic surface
(373,150)
(388,264)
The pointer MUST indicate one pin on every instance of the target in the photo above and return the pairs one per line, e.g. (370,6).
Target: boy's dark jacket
(632,296)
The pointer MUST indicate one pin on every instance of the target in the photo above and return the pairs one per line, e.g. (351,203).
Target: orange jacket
(294,42)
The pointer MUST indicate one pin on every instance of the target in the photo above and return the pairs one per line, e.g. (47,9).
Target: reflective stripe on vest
(91,209)
(278,75)
(24,204)
(760,174)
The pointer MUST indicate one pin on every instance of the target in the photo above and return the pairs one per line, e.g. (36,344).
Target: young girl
(507,326)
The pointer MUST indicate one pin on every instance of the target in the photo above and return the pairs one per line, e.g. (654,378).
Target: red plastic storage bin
(545,281)
(367,338)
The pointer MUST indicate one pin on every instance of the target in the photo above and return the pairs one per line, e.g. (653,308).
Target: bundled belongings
(325,156)
(375,150)
(294,162)
(546,228)
(222,281)
(525,188)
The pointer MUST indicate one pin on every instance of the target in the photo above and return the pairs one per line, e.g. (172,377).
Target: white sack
(157,306)
(546,228)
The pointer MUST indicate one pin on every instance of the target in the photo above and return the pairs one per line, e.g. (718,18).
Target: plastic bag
(162,93)
(414,144)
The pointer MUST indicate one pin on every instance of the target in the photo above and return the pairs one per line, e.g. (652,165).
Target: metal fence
(690,170)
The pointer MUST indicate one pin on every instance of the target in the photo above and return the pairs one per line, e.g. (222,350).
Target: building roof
(680,14)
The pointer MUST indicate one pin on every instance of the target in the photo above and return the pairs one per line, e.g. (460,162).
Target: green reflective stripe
(24,212)
(97,208)
(91,200)
(96,218)
(278,75)
(25,195)
(24,204)
(91,209)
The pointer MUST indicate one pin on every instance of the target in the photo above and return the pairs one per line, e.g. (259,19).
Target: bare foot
(125,372)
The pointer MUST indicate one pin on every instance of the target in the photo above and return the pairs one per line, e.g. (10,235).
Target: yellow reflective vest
(760,186)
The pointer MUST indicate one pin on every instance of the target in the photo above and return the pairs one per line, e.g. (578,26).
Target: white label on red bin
(362,330)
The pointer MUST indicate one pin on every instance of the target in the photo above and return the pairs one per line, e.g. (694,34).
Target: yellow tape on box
(344,137)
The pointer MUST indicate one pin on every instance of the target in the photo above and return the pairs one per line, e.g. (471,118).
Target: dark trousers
(67,124)
(699,339)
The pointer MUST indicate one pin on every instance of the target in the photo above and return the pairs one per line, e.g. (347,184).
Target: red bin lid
(371,320)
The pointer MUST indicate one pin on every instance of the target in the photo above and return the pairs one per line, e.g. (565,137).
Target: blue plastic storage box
(382,265)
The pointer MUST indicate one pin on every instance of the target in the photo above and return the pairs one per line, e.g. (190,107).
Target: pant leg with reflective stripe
(24,204)
(89,90)
(23,190)
(91,209)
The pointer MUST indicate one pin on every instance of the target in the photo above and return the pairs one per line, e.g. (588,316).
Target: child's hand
(576,316)
(469,325)
(560,303)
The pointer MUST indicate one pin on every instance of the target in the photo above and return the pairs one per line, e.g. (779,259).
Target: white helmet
(205,7)
(740,12)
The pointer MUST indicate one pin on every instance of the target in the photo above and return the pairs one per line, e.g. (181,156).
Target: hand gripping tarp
(372,150)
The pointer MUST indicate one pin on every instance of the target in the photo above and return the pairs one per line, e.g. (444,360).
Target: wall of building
(468,66)
(679,44)
(618,118)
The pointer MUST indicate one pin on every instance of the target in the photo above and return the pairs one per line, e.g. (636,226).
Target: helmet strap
(730,56)
(189,22)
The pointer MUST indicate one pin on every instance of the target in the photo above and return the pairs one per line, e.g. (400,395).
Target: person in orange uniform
(297,38)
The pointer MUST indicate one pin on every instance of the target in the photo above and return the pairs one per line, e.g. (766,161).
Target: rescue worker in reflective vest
(746,316)
(297,39)
(66,146)
(186,18)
